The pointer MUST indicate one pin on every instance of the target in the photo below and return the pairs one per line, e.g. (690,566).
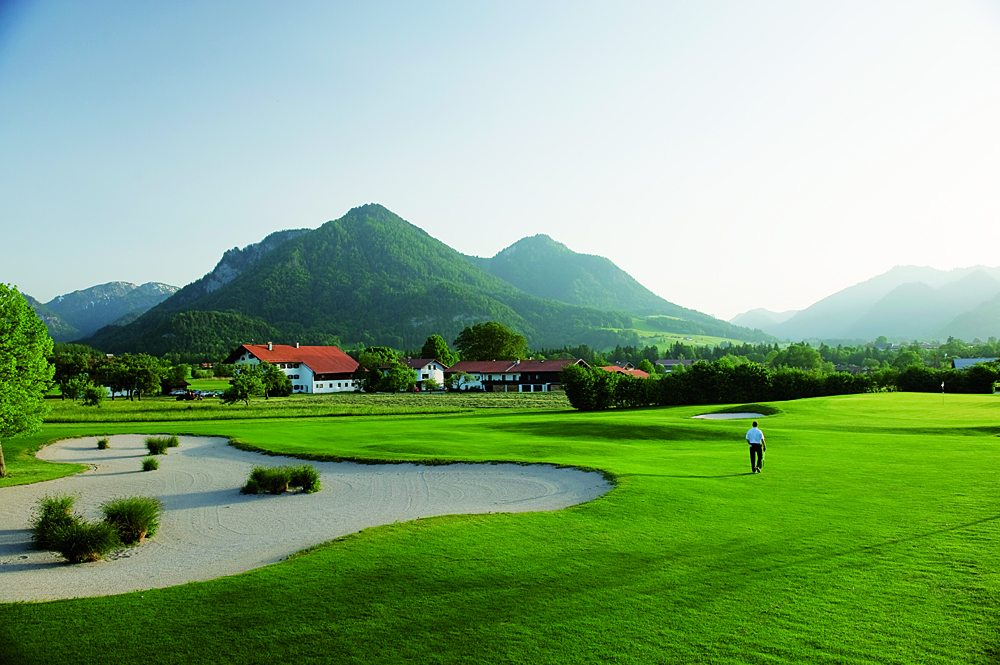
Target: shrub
(157,445)
(270,479)
(277,479)
(81,541)
(150,463)
(172,441)
(133,517)
(93,395)
(102,444)
(306,477)
(52,512)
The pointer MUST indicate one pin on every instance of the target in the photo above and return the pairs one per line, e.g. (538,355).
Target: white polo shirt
(754,435)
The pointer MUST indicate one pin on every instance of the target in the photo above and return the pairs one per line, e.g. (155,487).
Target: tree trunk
(3,467)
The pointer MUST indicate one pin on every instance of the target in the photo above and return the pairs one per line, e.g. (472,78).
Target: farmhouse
(523,376)
(965,363)
(631,371)
(670,363)
(311,369)
(426,368)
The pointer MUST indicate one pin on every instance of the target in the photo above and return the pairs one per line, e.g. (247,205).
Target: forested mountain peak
(233,262)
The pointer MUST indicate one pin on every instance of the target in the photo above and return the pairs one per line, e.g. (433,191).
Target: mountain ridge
(371,278)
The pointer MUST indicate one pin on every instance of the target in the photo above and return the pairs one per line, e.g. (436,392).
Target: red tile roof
(320,359)
(631,372)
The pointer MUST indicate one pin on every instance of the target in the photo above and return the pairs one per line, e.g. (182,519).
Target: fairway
(871,537)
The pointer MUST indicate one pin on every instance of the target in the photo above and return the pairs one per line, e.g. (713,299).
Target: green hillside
(369,277)
(548,269)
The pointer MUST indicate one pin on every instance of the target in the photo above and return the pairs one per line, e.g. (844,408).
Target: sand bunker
(728,416)
(209,529)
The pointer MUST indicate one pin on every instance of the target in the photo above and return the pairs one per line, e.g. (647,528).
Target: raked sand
(209,529)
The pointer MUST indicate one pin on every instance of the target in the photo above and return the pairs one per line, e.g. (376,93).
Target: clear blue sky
(729,155)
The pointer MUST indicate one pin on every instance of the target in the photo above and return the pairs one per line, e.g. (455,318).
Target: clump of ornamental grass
(269,479)
(51,513)
(102,444)
(172,441)
(278,479)
(150,463)
(80,541)
(306,477)
(157,445)
(134,518)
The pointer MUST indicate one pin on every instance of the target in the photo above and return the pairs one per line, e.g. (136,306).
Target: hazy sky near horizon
(728,154)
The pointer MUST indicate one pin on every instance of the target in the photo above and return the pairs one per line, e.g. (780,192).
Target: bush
(150,463)
(270,479)
(81,541)
(277,479)
(52,512)
(157,445)
(93,395)
(306,477)
(134,517)
(172,441)
(102,444)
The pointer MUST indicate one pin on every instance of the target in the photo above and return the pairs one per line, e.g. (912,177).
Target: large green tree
(25,372)
(248,380)
(435,347)
(491,341)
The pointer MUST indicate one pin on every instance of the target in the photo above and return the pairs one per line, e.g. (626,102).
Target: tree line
(721,382)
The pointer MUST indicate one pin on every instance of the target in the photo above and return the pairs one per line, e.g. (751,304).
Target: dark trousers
(757,450)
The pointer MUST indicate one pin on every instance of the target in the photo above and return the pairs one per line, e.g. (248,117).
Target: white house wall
(306,382)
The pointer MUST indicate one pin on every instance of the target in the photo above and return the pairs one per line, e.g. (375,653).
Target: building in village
(311,369)
(670,363)
(628,369)
(426,368)
(524,376)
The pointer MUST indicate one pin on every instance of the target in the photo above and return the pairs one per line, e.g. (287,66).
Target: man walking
(756,440)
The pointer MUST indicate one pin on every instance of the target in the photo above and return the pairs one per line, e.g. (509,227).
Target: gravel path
(209,529)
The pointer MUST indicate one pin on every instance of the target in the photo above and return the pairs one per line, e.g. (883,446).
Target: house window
(319,385)
(424,376)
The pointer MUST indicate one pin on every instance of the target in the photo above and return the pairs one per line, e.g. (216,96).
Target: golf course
(871,536)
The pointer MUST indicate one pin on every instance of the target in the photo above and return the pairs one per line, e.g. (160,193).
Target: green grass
(165,409)
(871,537)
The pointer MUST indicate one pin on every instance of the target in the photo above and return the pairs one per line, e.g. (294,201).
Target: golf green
(870,537)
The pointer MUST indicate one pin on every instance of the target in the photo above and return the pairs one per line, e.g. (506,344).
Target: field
(871,537)
(650,336)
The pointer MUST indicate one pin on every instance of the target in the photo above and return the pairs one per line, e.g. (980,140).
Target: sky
(728,155)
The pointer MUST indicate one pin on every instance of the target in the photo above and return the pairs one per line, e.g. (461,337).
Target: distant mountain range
(907,302)
(81,313)
(372,278)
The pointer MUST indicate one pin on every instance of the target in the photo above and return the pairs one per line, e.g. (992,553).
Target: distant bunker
(729,416)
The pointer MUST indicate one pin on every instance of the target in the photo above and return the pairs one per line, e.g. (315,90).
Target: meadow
(870,537)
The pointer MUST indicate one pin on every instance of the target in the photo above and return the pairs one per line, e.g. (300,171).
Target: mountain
(233,262)
(548,269)
(372,278)
(762,318)
(982,322)
(369,277)
(906,302)
(90,309)
(59,330)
